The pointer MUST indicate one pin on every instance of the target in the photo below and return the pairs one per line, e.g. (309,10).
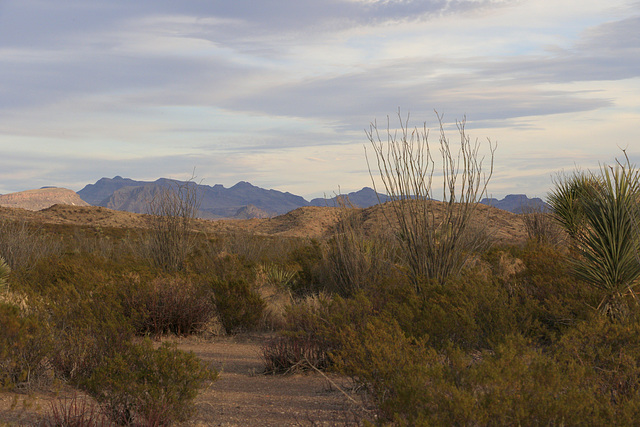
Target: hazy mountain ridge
(517,203)
(245,201)
(364,198)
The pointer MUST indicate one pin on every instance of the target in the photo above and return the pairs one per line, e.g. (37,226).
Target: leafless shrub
(436,238)
(172,211)
(286,355)
(354,258)
(251,247)
(74,412)
(168,305)
(21,245)
(540,225)
(5,270)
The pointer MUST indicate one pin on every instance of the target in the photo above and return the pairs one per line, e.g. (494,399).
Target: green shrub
(239,306)
(88,330)
(152,386)
(311,278)
(24,346)
(74,297)
(410,383)
(608,354)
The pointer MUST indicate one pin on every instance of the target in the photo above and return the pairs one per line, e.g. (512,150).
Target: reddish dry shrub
(168,305)
(293,354)
(74,412)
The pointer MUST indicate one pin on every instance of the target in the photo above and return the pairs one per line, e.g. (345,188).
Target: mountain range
(241,201)
(244,200)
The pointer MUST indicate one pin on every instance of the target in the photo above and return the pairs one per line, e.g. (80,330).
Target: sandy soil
(242,396)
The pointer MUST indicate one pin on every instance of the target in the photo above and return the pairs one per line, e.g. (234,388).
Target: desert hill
(35,200)
(306,222)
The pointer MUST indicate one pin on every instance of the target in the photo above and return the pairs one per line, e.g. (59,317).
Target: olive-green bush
(25,344)
(154,386)
(238,305)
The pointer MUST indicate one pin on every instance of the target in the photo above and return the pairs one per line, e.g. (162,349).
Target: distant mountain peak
(516,203)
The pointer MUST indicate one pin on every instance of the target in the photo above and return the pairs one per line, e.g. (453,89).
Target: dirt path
(242,396)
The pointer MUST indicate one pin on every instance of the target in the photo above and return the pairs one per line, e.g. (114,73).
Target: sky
(279,93)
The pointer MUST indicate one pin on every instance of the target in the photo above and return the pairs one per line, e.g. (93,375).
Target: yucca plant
(600,213)
(566,199)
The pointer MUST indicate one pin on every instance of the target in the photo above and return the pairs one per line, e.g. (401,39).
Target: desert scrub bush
(239,306)
(74,412)
(274,283)
(300,343)
(21,244)
(291,354)
(409,383)
(149,386)
(88,330)
(608,355)
(25,344)
(221,266)
(5,270)
(600,212)
(546,298)
(171,214)
(164,305)
(354,259)
(540,225)
(74,295)
(470,312)
(398,374)
(308,336)
(436,238)
(312,277)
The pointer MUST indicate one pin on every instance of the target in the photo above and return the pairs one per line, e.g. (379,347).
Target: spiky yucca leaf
(565,200)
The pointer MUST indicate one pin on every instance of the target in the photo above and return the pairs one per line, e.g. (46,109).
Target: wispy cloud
(274,90)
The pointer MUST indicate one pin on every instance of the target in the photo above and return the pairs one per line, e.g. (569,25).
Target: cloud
(130,85)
